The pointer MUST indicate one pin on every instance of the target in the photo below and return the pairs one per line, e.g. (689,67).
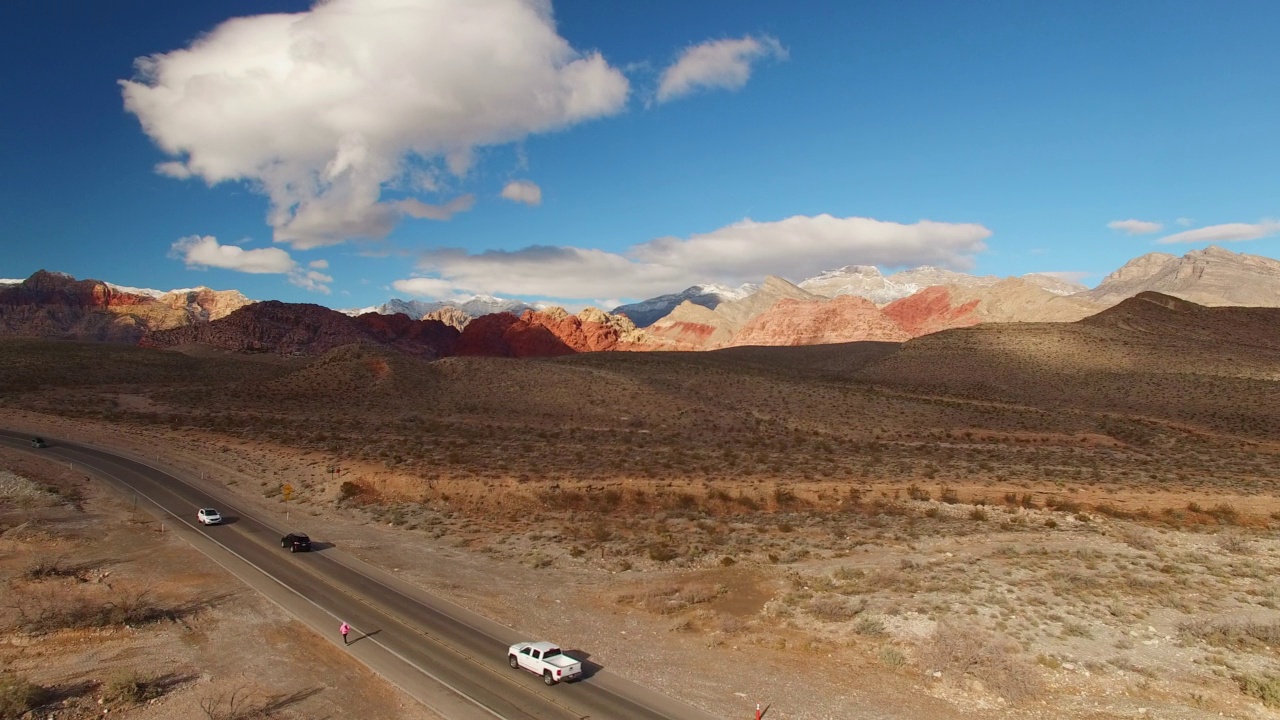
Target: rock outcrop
(680,329)
(647,312)
(54,305)
(820,322)
(1212,276)
(548,333)
(451,316)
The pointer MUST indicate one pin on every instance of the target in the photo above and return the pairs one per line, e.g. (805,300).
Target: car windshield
(209,511)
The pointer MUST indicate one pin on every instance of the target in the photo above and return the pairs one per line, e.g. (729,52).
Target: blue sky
(361,150)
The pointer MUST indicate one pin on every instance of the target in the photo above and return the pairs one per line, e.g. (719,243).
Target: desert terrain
(1070,520)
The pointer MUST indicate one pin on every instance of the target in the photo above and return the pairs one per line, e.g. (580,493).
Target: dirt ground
(913,601)
(109,616)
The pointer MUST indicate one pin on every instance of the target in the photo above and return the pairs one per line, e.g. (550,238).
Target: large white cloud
(1226,232)
(1135,227)
(716,64)
(795,248)
(322,109)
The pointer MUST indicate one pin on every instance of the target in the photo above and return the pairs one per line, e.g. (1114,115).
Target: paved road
(420,642)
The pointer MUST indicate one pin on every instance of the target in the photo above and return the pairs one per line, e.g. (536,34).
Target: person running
(344,630)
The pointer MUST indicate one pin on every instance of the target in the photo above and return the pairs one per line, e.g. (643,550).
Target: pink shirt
(344,629)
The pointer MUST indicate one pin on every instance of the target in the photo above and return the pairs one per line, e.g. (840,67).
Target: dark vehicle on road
(296,542)
(39,443)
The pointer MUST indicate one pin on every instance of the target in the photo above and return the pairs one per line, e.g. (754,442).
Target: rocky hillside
(548,333)
(693,327)
(647,312)
(55,305)
(304,329)
(805,322)
(1212,276)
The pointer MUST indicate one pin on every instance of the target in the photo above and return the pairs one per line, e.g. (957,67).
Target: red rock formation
(931,310)
(56,305)
(846,318)
(505,335)
(305,329)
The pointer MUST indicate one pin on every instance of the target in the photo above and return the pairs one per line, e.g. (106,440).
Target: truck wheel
(513,662)
(547,679)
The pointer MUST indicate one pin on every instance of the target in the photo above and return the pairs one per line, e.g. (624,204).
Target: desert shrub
(50,568)
(662,552)
(348,490)
(915,492)
(892,657)
(727,561)
(833,608)
(51,612)
(129,687)
(948,495)
(977,514)
(19,696)
(992,659)
(869,626)
(1263,687)
(1234,543)
(1241,635)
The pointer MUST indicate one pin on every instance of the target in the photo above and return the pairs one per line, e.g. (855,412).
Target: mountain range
(852,303)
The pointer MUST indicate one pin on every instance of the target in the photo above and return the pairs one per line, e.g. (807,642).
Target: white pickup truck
(545,659)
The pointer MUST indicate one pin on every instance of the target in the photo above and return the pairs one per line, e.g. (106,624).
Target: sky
(591,153)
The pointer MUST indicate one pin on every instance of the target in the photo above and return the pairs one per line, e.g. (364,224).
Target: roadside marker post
(286,490)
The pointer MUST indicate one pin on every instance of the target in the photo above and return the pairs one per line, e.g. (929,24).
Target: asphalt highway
(448,658)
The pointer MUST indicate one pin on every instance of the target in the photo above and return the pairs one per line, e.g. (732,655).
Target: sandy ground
(220,643)
(725,637)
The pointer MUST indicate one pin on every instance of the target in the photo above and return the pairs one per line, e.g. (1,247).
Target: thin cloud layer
(1135,227)
(204,252)
(321,110)
(746,251)
(523,191)
(716,64)
(1228,232)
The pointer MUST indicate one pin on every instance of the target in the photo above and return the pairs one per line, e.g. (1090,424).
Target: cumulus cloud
(425,287)
(323,109)
(311,280)
(203,252)
(523,191)
(716,64)
(1135,227)
(206,252)
(1228,232)
(796,248)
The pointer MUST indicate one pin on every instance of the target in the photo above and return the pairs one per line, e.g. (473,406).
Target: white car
(545,659)
(209,516)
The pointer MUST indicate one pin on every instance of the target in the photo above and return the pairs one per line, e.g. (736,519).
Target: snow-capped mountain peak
(711,295)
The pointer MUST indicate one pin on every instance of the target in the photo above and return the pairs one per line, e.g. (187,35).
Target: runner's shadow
(365,635)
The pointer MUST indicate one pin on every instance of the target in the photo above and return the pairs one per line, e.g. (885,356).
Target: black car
(39,443)
(296,542)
